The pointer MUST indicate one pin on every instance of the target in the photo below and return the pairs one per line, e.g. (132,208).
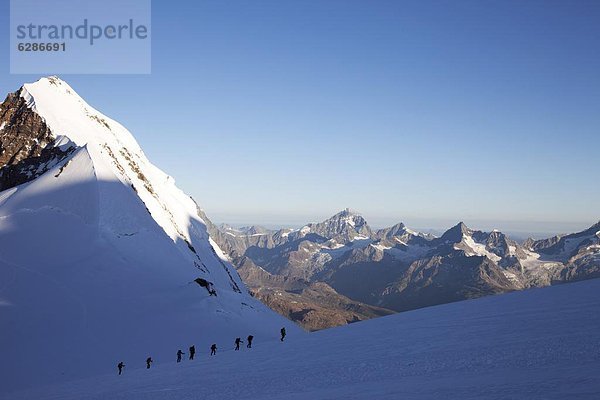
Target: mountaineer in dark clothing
(250,341)
(282,334)
(120,366)
(213,350)
(179,354)
(148,362)
(237,343)
(192,352)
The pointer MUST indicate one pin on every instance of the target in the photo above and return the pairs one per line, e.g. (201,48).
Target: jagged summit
(456,233)
(347,225)
(397,228)
(347,214)
(400,230)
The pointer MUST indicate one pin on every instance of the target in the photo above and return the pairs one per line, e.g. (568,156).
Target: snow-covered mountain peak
(70,115)
(110,144)
(50,118)
(95,236)
(347,224)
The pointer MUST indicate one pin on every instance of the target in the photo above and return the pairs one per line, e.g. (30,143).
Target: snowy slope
(537,344)
(98,258)
(117,154)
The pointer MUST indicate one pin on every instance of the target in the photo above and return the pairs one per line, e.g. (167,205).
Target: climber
(237,343)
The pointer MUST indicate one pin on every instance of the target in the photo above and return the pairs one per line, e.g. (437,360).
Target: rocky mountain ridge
(400,269)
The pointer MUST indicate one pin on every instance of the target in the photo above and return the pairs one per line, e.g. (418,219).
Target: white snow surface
(68,115)
(359,238)
(477,249)
(93,271)
(408,253)
(531,345)
(380,247)
(534,262)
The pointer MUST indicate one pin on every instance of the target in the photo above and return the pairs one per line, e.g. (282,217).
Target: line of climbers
(213,351)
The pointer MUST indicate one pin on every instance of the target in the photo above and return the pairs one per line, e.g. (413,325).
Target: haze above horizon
(429,113)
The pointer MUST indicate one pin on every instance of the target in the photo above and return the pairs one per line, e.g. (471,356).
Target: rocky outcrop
(26,144)
(439,280)
(345,226)
(314,305)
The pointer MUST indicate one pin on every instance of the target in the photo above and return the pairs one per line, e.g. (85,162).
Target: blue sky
(428,112)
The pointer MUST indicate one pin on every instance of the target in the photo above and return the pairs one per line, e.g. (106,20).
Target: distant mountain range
(340,270)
